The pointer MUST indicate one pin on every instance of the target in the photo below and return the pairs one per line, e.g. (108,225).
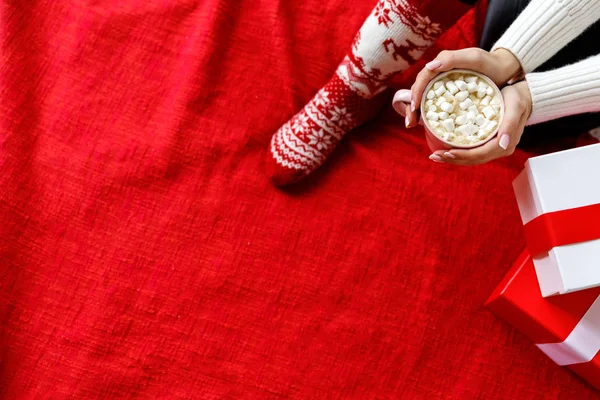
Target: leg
(395,35)
(500,15)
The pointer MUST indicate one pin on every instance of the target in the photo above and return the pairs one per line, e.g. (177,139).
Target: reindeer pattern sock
(394,36)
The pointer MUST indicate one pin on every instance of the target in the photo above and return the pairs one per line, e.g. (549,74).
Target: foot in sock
(394,36)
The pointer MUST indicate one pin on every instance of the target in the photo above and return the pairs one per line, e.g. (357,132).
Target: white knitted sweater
(540,31)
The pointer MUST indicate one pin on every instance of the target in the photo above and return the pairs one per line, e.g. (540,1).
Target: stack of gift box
(552,293)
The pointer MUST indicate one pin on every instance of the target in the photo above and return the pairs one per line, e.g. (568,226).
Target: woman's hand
(500,66)
(517,109)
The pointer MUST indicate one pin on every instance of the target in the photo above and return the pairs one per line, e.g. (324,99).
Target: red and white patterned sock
(394,36)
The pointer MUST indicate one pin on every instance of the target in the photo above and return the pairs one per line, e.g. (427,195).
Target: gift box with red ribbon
(566,328)
(559,201)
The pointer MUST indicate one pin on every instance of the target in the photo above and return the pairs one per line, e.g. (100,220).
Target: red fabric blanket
(144,255)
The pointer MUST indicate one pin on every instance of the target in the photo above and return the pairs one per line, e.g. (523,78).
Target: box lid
(563,180)
(557,182)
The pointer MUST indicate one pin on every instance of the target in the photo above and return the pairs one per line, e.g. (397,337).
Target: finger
(475,156)
(401,99)
(413,118)
(471,58)
(512,124)
(444,156)
(516,138)
(407,119)
(418,87)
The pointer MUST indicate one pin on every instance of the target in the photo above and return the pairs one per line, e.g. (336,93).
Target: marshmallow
(430,94)
(471,87)
(489,112)
(466,104)
(486,101)
(447,107)
(437,85)
(460,130)
(440,91)
(473,109)
(460,84)
(461,96)
(495,101)
(439,101)
(489,91)
(449,97)
(432,108)
(471,79)
(491,126)
(471,116)
(451,87)
(479,120)
(481,89)
(481,134)
(448,136)
(472,139)
(448,125)
(434,124)
(461,120)
(470,129)
(443,115)
(466,130)
(432,116)
(429,102)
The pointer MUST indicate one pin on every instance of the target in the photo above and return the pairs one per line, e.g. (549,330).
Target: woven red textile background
(144,255)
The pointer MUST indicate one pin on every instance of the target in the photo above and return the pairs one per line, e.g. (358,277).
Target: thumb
(513,120)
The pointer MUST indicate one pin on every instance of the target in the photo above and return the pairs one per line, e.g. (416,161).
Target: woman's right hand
(517,109)
(499,65)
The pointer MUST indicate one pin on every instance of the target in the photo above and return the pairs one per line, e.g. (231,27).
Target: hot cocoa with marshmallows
(462,108)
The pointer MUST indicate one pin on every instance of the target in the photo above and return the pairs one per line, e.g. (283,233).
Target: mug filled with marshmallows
(461,109)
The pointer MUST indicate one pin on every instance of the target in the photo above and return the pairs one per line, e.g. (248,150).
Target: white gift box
(559,198)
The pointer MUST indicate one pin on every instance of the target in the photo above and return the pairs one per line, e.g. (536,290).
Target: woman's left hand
(517,109)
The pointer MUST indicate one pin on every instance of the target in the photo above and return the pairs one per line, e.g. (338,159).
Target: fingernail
(504,141)
(406,121)
(449,155)
(412,106)
(436,158)
(433,65)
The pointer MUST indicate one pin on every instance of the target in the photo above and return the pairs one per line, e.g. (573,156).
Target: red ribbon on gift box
(563,227)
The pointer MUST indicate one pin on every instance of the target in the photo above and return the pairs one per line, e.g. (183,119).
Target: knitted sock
(394,36)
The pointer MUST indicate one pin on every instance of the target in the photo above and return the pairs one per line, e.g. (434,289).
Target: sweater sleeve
(573,89)
(546,26)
